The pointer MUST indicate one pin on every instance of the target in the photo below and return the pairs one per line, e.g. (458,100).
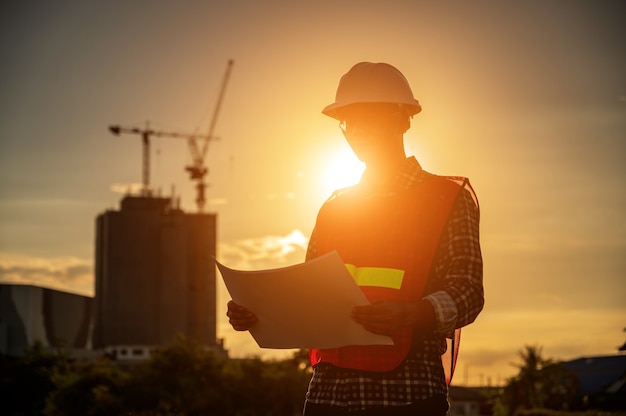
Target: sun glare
(341,169)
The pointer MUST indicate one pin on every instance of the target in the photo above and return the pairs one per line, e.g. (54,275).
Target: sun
(341,168)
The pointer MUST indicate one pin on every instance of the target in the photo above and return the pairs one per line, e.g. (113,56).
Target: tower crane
(197,170)
(146,133)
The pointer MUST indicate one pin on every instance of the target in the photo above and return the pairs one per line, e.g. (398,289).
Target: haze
(527,99)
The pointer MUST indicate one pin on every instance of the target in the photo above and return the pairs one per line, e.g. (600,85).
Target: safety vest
(388,244)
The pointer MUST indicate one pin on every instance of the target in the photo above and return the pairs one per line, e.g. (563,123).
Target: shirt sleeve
(456,286)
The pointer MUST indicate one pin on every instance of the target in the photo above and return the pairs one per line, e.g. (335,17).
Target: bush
(183,379)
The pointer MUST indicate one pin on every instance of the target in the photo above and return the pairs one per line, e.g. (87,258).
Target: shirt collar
(402,177)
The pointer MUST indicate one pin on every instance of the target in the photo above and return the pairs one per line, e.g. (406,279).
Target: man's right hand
(239,317)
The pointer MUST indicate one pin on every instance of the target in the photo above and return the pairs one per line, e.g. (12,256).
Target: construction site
(155,275)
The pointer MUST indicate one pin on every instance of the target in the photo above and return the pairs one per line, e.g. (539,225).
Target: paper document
(303,306)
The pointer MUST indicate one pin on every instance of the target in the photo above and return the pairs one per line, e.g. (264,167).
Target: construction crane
(146,133)
(197,170)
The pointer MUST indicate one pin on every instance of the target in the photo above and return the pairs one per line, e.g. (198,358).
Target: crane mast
(197,170)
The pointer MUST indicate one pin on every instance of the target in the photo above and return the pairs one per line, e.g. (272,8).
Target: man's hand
(240,318)
(383,317)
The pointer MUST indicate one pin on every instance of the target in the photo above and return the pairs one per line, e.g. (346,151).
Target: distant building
(467,401)
(602,380)
(155,277)
(31,314)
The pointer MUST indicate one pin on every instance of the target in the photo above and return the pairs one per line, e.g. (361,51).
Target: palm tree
(541,383)
(529,375)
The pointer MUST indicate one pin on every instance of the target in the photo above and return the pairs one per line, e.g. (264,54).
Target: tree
(26,382)
(266,387)
(93,388)
(540,383)
(183,378)
(529,378)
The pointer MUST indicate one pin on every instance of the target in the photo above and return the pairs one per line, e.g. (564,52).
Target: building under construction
(155,276)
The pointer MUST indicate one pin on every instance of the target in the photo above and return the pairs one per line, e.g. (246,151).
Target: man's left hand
(384,317)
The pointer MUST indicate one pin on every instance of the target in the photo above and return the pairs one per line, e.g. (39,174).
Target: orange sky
(528,99)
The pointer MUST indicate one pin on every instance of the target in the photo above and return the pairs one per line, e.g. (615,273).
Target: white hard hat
(368,82)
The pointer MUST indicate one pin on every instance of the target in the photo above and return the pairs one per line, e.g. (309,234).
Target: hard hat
(368,82)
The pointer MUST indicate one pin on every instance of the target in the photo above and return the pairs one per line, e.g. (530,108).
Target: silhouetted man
(411,239)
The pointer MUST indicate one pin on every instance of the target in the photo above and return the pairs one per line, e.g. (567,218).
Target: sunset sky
(527,99)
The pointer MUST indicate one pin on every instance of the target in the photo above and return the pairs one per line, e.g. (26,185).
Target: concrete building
(155,276)
(31,314)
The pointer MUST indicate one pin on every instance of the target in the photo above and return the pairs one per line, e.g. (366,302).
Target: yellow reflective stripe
(376,276)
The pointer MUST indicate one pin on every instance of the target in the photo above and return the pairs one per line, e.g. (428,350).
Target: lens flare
(341,169)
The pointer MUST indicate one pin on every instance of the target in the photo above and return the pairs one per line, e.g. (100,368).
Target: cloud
(270,251)
(76,275)
(264,252)
(69,274)
(492,344)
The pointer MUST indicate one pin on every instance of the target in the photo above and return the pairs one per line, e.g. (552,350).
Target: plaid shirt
(454,289)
